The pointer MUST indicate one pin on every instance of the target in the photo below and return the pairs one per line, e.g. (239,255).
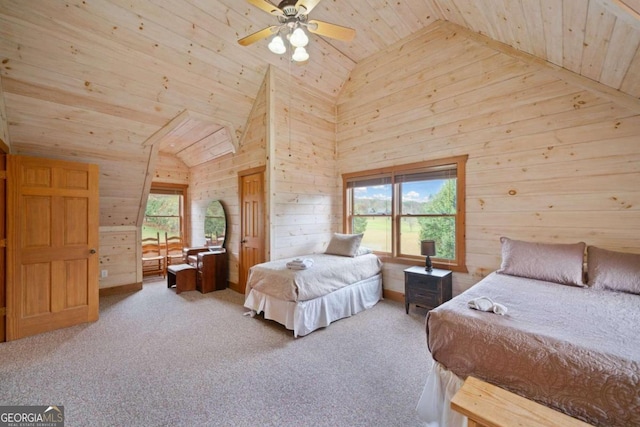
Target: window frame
(459,263)
(172,190)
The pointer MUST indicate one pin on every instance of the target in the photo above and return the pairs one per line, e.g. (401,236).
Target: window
(164,212)
(398,207)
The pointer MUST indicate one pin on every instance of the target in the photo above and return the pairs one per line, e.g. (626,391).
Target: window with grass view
(398,207)
(163,214)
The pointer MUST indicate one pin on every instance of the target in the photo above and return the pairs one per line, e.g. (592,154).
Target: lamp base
(428,266)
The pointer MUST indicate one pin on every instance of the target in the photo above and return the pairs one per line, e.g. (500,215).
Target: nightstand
(426,288)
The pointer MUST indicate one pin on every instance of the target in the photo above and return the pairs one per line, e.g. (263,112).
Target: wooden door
(52,234)
(251,223)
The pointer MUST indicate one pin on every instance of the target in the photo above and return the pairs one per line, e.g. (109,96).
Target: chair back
(153,262)
(151,246)
(173,249)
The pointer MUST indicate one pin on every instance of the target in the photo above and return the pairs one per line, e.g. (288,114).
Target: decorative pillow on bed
(558,263)
(344,244)
(617,271)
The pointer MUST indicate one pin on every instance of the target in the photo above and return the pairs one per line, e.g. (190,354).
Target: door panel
(36,296)
(52,269)
(36,222)
(252,225)
(76,220)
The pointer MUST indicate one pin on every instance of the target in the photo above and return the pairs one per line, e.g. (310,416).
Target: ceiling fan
(292,20)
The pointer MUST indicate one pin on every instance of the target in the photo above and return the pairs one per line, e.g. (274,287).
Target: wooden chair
(173,249)
(153,261)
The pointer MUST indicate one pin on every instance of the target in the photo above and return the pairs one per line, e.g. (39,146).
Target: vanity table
(212,267)
(210,261)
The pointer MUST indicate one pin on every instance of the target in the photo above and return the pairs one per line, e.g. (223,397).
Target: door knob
(243,241)
(92,251)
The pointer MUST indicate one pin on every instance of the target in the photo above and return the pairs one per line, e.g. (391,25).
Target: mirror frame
(222,240)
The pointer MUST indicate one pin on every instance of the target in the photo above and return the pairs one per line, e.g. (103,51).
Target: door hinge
(3,311)
(3,243)
(3,174)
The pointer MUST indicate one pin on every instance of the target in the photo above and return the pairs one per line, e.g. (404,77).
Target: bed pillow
(617,271)
(558,263)
(344,244)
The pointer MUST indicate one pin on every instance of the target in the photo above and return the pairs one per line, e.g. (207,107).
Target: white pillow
(344,244)
(558,263)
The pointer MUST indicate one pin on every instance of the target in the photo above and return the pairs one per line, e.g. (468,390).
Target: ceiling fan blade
(252,38)
(331,30)
(307,4)
(266,6)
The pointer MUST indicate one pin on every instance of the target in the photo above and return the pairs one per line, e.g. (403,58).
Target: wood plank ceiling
(92,80)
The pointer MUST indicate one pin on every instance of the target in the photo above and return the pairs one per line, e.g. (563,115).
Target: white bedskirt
(303,317)
(434,406)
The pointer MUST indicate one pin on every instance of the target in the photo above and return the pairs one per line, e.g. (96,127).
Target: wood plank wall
(119,256)
(4,123)
(218,180)
(549,159)
(306,190)
(170,170)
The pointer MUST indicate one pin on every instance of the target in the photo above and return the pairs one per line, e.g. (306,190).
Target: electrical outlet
(104,273)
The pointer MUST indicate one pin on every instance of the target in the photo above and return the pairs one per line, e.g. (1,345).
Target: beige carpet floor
(160,359)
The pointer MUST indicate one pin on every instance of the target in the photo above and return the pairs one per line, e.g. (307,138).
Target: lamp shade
(300,54)
(428,247)
(277,45)
(299,38)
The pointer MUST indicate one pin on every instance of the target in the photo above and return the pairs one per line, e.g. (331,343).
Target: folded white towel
(487,304)
(300,264)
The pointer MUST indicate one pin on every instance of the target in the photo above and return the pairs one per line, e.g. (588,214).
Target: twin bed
(339,283)
(566,343)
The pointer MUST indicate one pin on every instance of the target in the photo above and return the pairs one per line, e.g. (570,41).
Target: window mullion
(395,211)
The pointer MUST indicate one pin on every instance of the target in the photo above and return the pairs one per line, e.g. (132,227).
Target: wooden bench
(182,276)
(486,405)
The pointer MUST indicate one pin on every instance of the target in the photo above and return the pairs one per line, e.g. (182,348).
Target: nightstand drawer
(423,298)
(416,281)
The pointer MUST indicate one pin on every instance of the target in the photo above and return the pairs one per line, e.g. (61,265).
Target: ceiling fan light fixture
(299,38)
(277,45)
(295,25)
(300,54)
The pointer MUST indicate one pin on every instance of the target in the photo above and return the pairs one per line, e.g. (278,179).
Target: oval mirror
(215,225)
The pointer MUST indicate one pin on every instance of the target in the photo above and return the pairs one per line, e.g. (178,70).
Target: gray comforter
(328,273)
(574,349)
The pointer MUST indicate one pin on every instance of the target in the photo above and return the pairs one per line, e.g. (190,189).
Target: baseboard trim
(234,287)
(393,295)
(122,289)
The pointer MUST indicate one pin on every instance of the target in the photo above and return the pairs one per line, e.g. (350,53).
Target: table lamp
(428,248)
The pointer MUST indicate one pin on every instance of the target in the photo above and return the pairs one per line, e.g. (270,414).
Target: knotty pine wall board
(550,159)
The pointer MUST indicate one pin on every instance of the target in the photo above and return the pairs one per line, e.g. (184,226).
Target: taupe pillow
(617,271)
(558,263)
(344,244)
